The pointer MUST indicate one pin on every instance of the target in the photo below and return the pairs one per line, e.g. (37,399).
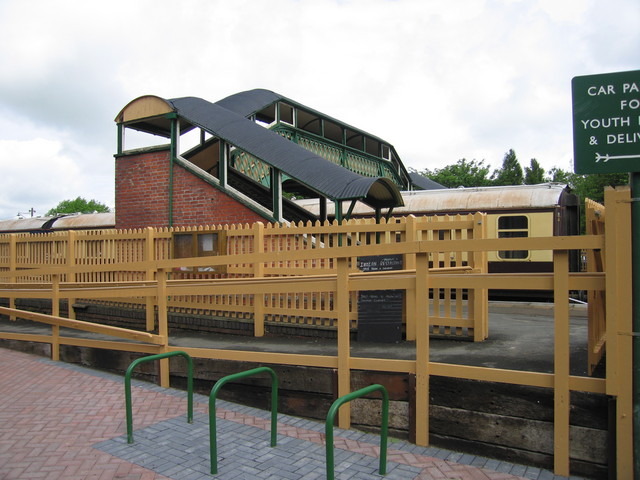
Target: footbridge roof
(230,120)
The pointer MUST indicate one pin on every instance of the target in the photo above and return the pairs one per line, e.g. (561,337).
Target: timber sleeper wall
(134,317)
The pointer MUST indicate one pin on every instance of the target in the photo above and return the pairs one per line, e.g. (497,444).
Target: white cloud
(441,81)
(23,186)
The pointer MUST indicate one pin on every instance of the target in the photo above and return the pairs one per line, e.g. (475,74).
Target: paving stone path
(67,422)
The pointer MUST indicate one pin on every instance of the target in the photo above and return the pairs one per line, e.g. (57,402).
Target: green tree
(592,185)
(79,205)
(559,176)
(534,173)
(511,171)
(463,173)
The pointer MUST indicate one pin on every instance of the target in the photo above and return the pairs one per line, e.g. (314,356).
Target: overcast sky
(440,80)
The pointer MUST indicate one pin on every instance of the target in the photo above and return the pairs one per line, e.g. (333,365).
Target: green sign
(606,122)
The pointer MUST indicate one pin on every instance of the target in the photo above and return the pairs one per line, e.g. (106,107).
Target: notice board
(380,311)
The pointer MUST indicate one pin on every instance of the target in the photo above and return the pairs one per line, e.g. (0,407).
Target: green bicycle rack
(212,409)
(127,386)
(384,429)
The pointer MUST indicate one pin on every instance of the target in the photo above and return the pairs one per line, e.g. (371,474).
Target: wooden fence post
(163,325)
(478,299)
(344,340)
(562,401)
(258,271)
(422,349)
(71,261)
(55,311)
(149,256)
(13,266)
(619,321)
(409,296)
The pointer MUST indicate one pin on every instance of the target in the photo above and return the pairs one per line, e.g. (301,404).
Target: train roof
(474,199)
(451,200)
(24,224)
(85,221)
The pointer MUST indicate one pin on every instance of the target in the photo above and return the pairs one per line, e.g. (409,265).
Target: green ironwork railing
(353,159)
(151,358)
(384,429)
(251,166)
(212,409)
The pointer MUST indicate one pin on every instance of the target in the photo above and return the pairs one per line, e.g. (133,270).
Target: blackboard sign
(380,311)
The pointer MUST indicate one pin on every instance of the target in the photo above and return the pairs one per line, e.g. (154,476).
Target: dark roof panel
(251,101)
(423,182)
(331,180)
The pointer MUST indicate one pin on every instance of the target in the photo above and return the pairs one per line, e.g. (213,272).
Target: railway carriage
(543,210)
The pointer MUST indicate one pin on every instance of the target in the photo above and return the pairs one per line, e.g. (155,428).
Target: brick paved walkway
(61,421)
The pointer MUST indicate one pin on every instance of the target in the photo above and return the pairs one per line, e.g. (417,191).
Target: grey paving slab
(242,451)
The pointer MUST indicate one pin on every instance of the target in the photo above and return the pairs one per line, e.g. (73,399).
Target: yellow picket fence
(454,311)
(336,253)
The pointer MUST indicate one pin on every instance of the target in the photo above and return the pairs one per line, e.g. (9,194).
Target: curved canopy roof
(253,101)
(227,120)
(249,102)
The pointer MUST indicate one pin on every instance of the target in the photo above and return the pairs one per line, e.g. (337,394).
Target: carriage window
(513,226)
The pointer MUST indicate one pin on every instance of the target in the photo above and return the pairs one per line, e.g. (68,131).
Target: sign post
(606,139)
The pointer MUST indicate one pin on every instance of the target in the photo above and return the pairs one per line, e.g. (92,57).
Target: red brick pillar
(142,188)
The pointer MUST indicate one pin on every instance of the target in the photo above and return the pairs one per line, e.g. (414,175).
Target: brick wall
(195,202)
(142,189)
(142,195)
